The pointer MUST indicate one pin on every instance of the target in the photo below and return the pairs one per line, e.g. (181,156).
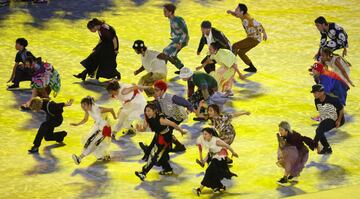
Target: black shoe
(81,76)
(177,72)
(25,108)
(33,150)
(143,146)
(63,135)
(76,159)
(325,151)
(283,181)
(200,119)
(197,191)
(228,160)
(178,148)
(141,175)
(251,69)
(13,87)
(166,173)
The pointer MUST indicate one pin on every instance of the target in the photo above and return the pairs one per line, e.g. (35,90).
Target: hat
(160,84)
(285,125)
(317,88)
(138,44)
(319,67)
(206,24)
(185,73)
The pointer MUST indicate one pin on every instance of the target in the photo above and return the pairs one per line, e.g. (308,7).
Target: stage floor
(279,91)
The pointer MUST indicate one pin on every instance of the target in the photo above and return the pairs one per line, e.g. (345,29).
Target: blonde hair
(36,104)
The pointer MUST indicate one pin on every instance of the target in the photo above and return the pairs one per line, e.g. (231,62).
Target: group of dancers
(207,94)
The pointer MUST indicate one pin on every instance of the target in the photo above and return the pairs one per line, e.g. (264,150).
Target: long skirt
(292,160)
(102,61)
(225,77)
(215,173)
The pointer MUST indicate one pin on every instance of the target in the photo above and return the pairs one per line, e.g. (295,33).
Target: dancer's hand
(344,53)
(198,68)
(337,124)
(247,113)
(235,155)
(241,76)
(198,53)
(69,103)
(351,83)
(265,36)
(229,12)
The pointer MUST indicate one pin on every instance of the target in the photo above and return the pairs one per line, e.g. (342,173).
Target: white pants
(96,143)
(127,115)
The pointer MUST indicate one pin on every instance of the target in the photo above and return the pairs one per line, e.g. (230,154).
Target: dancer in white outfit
(99,138)
(133,104)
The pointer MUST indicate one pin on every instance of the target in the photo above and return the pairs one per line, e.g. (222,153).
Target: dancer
(159,154)
(103,58)
(337,64)
(292,152)
(253,29)
(331,116)
(175,108)
(333,84)
(179,37)
(206,84)
(54,119)
(20,72)
(337,35)
(99,138)
(225,74)
(210,35)
(156,69)
(44,79)
(133,104)
(218,168)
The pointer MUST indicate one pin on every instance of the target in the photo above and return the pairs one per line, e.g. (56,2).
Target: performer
(99,138)
(103,58)
(159,154)
(253,29)
(20,72)
(133,104)
(225,74)
(179,37)
(337,35)
(292,152)
(54,119)
(156,69)
(210,35)
(218,168)
(336,64)
(44,79)
(331,116)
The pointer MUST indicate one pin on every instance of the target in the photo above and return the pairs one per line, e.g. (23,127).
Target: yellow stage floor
(279,91)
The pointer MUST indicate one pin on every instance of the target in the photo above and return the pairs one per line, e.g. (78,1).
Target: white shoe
(76,159)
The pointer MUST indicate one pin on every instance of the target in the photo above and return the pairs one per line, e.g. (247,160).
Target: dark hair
(94,22)
(32,59)
(153,107)
(210,130)
(216,45)
(22,41)
(206,24)
(215,107)
(138,45)
(321,20)
(113,86)
(327,51)
(243,8)
(88,100)
(170,7)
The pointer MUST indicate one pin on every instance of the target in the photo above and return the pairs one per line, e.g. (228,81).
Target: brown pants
(242,47)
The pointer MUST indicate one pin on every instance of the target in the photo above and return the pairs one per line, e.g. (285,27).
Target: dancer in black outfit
(54,119)
(159,154)
(103,58)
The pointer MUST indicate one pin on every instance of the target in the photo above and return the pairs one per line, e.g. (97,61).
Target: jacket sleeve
(182,102)
(308,141)
(201,44)
(220,37)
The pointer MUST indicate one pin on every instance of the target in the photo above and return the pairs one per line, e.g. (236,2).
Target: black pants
(21,74)
(208,67)
(159,155)
(325,126)
(46,131)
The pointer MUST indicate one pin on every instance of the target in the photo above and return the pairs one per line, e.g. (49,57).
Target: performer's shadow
(46,164)
(175,87)
(156,188)
(21,96)
(330,174)
(97,175)
(250,90)
(129,150)
(290,190)
(95,86)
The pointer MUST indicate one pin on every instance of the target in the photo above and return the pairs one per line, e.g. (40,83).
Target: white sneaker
(76,159)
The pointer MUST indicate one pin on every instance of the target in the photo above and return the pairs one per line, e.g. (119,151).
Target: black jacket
(218,36)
